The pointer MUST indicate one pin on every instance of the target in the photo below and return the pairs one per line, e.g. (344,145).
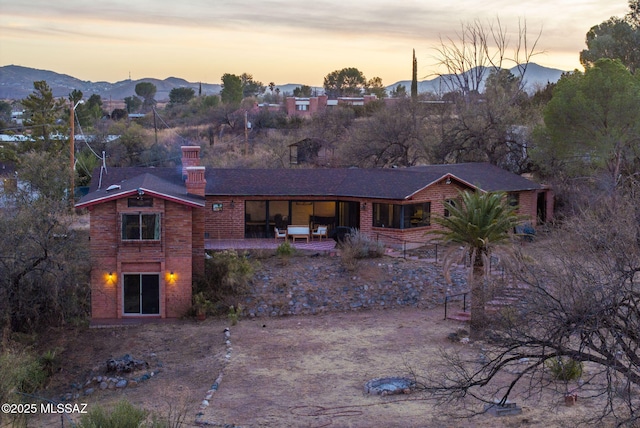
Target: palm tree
(481,222)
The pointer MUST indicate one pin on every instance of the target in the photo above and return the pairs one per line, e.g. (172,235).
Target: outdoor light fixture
(448,180)
(172,277)
(233,204)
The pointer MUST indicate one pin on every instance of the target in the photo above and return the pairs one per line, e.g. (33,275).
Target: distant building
(307,107)
(17,117)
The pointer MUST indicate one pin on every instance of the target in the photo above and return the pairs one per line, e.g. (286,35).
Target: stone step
(460,316)
(502,301)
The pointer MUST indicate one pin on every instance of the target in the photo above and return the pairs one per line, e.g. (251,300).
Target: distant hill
(536,77)
(16,83)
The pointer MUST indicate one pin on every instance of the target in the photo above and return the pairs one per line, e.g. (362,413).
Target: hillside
(16,82)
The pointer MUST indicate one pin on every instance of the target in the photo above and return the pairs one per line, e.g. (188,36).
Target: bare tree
(490,104)
(44,263)
(395,135)
(579,308)
(480,49)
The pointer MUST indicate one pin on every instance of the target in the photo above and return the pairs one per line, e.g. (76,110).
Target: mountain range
(16,82)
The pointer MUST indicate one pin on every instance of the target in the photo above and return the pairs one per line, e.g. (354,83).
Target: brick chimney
(190,157)
(192,172)
(196,182)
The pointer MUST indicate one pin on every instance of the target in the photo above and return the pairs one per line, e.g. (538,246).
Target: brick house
(307,107)
(146,239)
(149,225)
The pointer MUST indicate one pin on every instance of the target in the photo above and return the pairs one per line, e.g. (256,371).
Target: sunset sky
(283,41)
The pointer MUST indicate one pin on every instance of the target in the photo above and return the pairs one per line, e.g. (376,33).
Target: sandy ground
(296,371)
(302,371)
(311,372)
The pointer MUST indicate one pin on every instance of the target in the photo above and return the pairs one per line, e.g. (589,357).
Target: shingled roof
(396,184)
(164,183)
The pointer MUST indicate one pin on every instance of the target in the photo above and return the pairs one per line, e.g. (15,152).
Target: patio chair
(320,231)
(280,233)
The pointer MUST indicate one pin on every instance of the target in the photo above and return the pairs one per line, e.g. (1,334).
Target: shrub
(285,249)
(227,276)
(564,369)
(362,246)
(20,371)
(359,246)
(123,415)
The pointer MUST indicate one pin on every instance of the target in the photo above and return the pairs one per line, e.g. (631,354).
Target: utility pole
(246,135)
(72,172)
(72,142)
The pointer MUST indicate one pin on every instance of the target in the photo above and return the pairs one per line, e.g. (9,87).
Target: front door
(141,293)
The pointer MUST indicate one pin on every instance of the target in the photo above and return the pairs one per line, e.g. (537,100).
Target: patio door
(349,214)
(141,294)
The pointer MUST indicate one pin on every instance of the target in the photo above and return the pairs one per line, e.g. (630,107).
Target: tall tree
(490,126)
(181,96)
(44,263)
(41,113)
(232,91)
(616,38)
(480,223)
(414,77)
(399,91)
(132,104)
(251,87)
(302,91)
(593,124)
(393,136)
(374,86)
(147,91)
(347,82)
(479,50)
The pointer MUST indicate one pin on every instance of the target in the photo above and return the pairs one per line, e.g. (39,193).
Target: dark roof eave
(192,202)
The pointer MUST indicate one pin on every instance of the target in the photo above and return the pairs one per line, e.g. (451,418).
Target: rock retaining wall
(311,285)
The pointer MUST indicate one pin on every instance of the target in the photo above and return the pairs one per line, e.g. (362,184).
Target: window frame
(400,216)
(141,227)
(446,203)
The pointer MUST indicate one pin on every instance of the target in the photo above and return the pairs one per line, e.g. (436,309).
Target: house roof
(396,184)
(164,183)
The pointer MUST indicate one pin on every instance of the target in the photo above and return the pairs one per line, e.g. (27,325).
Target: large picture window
(137,227)
(417,215)
(402,216)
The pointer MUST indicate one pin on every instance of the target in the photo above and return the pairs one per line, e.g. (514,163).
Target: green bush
(564,369)
(20,371)
(227,276)
(123,415)
(285,249)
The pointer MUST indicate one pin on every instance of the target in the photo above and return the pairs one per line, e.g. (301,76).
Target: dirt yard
(295,371)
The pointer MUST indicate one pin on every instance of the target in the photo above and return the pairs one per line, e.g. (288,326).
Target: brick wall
(172,253)
(227,223)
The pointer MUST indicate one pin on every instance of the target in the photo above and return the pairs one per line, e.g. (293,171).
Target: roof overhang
(447,178)
(112,196)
